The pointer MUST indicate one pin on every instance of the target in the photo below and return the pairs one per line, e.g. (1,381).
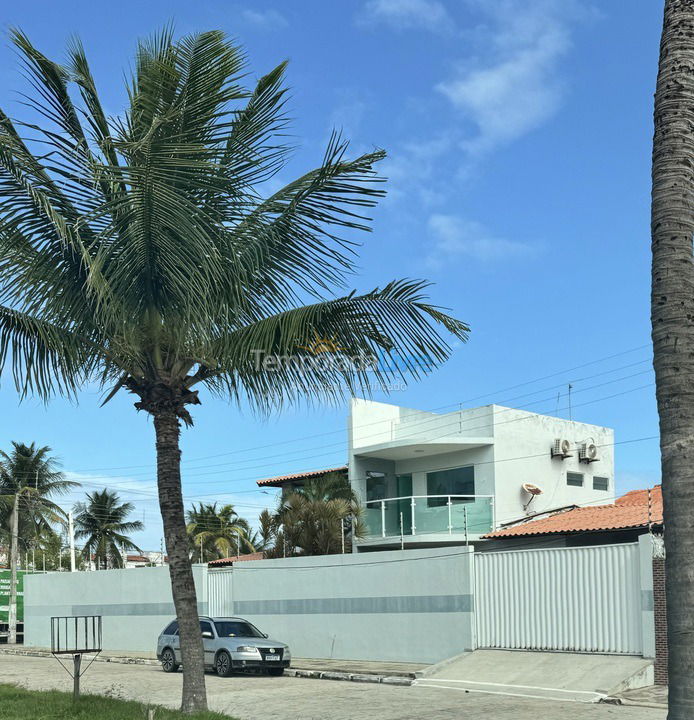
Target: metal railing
(430,514)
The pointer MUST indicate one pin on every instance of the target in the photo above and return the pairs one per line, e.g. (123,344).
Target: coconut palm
(217,533)
(29,478)
(101,523)
(140,251)
(319,518)
(672,310)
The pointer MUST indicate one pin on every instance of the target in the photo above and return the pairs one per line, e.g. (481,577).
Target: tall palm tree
(101,522)
(29,478)
(319,518)
(139,251)
(672,317)
(217,533)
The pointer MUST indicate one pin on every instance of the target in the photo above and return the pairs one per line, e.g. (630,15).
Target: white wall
(522,442)
(135,604)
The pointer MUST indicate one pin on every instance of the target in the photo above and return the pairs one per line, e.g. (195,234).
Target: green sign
(5,579)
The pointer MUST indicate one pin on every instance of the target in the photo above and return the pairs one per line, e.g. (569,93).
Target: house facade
(428,479)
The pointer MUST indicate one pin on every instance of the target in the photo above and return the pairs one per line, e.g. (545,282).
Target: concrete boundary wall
(135,604)
(407,606)
(413,605)
(402,605)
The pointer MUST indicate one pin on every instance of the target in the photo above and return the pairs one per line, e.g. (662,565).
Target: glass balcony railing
(430,514)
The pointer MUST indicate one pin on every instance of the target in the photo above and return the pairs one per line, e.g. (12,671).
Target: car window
(236,628)
(171,628)
(205,627)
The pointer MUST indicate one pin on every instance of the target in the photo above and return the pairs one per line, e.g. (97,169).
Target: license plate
(272,657)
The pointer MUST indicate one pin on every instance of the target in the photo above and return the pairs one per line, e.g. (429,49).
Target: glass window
(236,628)
(376,488)
(172,628)
(458,481)
(574,478)
(601,483)
(206,627)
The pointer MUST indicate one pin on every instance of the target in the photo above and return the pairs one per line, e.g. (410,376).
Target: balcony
(418,515)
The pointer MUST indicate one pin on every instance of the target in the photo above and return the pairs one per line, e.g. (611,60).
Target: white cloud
(455,237)
(268,19)
(405,14)
(514,85)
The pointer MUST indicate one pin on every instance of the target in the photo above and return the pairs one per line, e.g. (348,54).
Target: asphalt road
(265,698)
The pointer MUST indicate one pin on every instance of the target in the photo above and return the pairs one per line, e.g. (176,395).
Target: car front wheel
(223,664)
(168,661)
(276,671)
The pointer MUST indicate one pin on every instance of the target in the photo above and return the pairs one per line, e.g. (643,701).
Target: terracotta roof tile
(238,558)
(629,511)
(300,476)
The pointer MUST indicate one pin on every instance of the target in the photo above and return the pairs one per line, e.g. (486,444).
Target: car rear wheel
(276,671)
(168,661)
(222,664)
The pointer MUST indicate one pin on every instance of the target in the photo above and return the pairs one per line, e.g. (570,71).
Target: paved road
(264,698)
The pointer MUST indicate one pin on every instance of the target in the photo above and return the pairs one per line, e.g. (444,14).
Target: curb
(312,674)
(120,659)
(350,677)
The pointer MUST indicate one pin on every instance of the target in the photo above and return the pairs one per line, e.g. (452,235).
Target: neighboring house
(230,561)
(633,514)
(292,482)
(448,479)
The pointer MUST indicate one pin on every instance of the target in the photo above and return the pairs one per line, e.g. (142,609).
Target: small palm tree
(320,518)
(28,479)
(139,251)
(216,534)
(101,522)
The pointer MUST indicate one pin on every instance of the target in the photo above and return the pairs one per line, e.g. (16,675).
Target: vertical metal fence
(574,599)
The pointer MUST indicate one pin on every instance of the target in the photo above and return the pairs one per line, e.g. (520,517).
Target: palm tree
(139,251)
(320,518)
(216,534)
(672,310)
(102,524)
(28,479)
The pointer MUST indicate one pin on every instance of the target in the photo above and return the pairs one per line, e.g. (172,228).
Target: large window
(458,481)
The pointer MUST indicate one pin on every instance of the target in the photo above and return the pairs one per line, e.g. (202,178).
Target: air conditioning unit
(561,448)
(588,453)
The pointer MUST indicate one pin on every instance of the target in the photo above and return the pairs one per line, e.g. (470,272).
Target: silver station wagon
(231,644)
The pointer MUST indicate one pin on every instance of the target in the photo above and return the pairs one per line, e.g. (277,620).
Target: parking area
(287,698)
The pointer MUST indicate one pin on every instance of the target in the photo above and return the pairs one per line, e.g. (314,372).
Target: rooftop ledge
(403,449)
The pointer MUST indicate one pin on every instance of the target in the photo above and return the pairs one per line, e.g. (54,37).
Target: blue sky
(518,135)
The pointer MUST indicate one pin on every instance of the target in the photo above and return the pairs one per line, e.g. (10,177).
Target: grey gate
(574,599)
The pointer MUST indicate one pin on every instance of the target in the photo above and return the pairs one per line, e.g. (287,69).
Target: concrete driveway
(264,698)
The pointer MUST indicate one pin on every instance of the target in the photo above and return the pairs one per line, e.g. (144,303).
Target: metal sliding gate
(573,599)
(219,595)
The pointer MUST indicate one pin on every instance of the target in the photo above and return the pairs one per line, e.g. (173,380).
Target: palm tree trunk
(167,430)
(14,551)
(672,316)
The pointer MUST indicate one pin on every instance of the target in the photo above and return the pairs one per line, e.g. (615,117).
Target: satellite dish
(532,489)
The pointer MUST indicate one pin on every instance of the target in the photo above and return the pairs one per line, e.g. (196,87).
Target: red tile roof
(277,481)
(629,511)
(237,558)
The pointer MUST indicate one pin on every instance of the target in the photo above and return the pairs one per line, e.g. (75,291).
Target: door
(208,641)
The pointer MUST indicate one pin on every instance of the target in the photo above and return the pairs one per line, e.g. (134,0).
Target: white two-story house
(428,479)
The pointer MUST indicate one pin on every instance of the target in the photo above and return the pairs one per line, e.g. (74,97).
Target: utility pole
(71,536)
(12,612)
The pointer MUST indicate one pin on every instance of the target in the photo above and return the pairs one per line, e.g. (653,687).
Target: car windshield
(236,628)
